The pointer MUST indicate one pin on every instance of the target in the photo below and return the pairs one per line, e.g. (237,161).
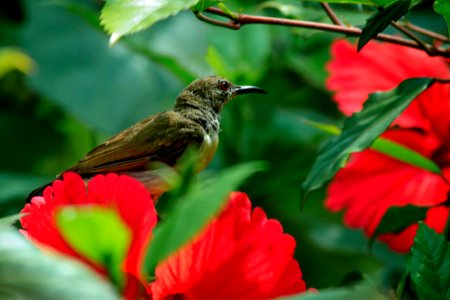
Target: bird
(194,121)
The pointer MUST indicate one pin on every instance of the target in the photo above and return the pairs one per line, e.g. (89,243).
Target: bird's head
(213,92)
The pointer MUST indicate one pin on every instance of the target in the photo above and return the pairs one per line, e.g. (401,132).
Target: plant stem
(427,32)
(244,19)
(333,17)
(423,45)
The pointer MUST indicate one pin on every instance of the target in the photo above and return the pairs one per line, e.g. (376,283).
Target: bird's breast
(207,149)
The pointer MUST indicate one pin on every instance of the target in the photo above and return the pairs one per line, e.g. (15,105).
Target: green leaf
(193,211)
(170,63)
(398,218)
(298,10)
(99,234)
(14,185)
(364,290)
(164,59)
(239,46)
(379,3)
(27,273)
(9,220)
(14,59)
(380,20)
(328,128)
(405,289)
(106,89)
(387,147)
(362,128)
(218,63)
(289,8)
(443,7)
(364,2)
(204,4)
(351,278)
(405,154)
(429,264)
(122,17)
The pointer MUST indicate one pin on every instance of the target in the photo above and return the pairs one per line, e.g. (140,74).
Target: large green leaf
(105,88)
(362,128)
(121,17)
(193,211)
(443,7)
(380,20)
(388,147)
(429,264)
(98,234)
(26,273)
(163,58)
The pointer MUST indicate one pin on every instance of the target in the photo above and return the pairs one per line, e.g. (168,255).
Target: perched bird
(164,137)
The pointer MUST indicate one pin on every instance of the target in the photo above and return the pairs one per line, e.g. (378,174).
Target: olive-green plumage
(163,137)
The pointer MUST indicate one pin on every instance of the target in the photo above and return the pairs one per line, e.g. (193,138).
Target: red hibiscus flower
(372,182)
(240,255)
(380,67)
(121,193)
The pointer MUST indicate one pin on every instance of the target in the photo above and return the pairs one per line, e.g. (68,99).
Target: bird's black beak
(248,89)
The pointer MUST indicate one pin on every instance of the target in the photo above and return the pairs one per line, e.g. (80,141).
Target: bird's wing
(162,137)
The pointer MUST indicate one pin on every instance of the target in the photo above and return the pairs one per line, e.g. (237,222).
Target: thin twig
(446,81)
(244,19)
(427,32)
(427,48)
(229,24)
(333,17)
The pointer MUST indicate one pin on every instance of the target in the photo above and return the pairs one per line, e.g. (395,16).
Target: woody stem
(236,21)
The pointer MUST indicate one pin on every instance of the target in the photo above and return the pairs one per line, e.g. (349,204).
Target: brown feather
(134,148)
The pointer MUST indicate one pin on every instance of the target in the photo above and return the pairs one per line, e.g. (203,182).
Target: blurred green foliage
(19,280)
(81,91)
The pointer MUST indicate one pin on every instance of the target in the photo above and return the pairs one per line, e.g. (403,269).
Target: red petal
(134,205)
(380,67)
(38,220)
(372,182)
(125,194)
(436,218)
(241,255)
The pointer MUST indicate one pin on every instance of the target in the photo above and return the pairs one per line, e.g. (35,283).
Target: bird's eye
(224,85)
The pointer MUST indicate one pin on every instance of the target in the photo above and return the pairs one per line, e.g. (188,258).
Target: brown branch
(424,46)
(229,24)
(427,32)
(333,17)
(244,19)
